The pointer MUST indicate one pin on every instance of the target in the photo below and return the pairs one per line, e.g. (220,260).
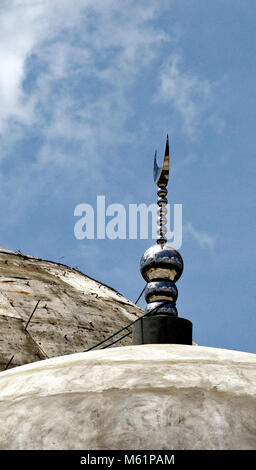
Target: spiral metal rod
(161,177)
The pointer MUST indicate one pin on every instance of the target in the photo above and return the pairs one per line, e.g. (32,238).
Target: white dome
(133,397)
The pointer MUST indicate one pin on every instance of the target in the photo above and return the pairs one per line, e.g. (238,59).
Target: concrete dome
(134,397)
(75,312)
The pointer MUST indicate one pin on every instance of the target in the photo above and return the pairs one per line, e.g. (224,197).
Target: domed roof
(160,396)
(74,313)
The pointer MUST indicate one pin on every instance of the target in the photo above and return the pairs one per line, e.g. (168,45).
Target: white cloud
(16,39)
(66,72)
(66,67)
(189,95)
(204,239)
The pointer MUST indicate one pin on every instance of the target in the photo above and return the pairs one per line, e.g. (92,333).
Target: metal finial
(161,177)
(161,174)
(161,266)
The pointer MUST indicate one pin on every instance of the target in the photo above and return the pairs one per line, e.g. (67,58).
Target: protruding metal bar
(9,362)
(140,294)
(32,314)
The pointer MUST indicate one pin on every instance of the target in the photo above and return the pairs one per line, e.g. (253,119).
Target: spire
(161,266)
(161,177)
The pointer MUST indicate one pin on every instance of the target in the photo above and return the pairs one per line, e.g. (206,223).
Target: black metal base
(162,330)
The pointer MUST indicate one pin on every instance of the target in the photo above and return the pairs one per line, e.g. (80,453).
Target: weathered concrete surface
(74,313)
(133,397)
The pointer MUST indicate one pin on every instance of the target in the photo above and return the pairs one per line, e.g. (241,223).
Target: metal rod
(117,340)
(32,314)
(120,331)
(9,362)
(140,294)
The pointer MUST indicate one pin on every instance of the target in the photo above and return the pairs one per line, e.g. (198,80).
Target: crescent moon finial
(161,174)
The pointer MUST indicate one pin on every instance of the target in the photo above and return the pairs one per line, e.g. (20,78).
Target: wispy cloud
(67,72)
(204,239)
(190,96)
(66,68)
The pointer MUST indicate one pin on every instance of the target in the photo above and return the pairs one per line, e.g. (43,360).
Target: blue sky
(88,90)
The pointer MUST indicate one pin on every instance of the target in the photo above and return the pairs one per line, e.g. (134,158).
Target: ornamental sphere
(159,263)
